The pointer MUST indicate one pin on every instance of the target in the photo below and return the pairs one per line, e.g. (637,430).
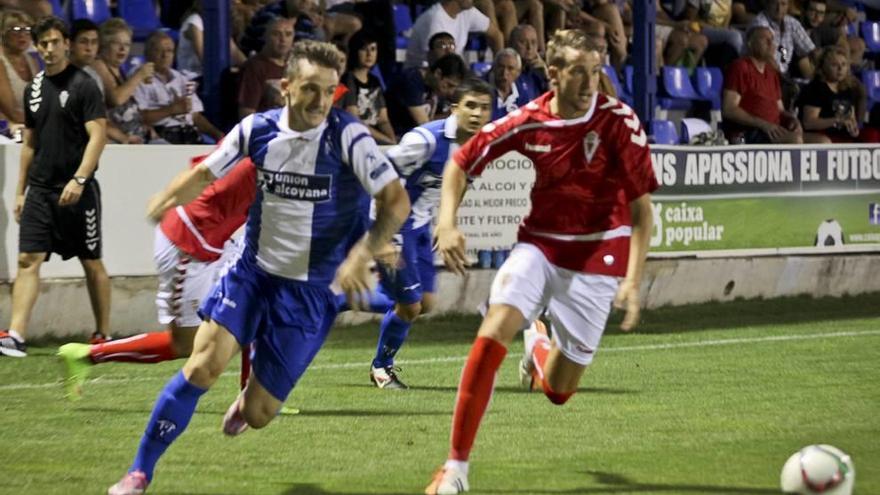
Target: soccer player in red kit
(581,249)
(191,247)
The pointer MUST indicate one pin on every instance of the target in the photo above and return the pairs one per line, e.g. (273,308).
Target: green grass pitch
(706,399)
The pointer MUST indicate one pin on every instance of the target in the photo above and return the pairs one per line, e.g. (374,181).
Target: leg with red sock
(144,348)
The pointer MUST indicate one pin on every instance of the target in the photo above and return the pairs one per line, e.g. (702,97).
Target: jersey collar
(450,127)
(309,135)
(544,105)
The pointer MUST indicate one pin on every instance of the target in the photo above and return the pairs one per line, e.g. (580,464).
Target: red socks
(539,357)
(474,393)
(143,348)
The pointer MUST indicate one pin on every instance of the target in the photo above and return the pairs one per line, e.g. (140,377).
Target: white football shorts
(184,281)
(577,303)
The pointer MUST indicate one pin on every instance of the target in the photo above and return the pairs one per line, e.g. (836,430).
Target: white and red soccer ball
(818,469)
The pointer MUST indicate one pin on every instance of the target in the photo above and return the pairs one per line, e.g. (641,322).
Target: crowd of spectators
(791,67)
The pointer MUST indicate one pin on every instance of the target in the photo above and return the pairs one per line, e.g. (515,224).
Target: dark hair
(450,65)
(47,24)
(437,36)
(81,26)
(356,43)
(471,85)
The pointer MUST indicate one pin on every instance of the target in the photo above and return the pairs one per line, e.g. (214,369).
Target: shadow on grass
(616,483)
(311,489)
(340,413)
(518,390)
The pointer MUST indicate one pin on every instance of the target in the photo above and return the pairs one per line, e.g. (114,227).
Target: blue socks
(379,302)
(171,414)
(392,334)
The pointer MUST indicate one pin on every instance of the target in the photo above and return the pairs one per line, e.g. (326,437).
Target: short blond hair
(567,38)
(111,27)
(317,52)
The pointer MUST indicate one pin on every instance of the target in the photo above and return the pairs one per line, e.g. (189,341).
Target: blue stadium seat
(622,92)
(628,71)
(871,34)
(378,73)
(96,10)
(871,80)
(709,83)
(664,132)
(141,16)
(481,69)
(403,23)
(476,42)
(678,92)
(57,9)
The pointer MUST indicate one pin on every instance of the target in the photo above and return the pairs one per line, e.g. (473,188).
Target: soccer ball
(829,233)
(818,469)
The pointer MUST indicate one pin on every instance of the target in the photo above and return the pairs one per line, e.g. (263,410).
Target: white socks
(460,466)
(15,335)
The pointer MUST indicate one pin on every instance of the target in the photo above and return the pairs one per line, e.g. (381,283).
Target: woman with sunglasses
(17,67)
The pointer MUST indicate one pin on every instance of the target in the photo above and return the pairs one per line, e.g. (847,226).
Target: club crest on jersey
(62,98)
(591,144)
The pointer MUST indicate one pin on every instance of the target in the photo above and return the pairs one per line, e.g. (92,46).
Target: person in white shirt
(456,17)
(168,101)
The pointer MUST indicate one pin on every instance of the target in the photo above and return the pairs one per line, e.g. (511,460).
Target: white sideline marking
(452,359)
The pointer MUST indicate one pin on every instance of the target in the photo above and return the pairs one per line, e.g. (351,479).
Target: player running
(316,170)
(590,224)
(192,244)
(419,158)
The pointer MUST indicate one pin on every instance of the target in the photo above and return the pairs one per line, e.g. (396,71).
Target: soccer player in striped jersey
(581,249)
(420,158)
(191,246)
(308,229)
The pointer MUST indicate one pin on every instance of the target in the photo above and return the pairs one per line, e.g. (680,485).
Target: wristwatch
(80,179)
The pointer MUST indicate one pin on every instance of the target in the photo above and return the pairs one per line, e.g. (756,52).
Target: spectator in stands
(35,9)
(794,45)
(440,44)
(744,12)
(524,39)
(827,30)
(115,46)
(260,87)
(84,48)
(595,30)
(83,53)
(423,94)
(17,67)
(609,13)
(752,100)
(506,95)
(678,42)
(457,17)
(833,103)
(509,13)
(192,45)
(364,98)
(306,16)
(168,101)
(713,17)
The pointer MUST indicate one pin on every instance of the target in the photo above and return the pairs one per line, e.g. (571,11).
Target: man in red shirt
(191,247)
(752,107)
(584,240)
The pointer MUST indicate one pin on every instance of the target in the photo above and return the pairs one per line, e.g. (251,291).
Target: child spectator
(364,98)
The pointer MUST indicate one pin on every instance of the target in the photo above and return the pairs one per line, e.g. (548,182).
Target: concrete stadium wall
(63,307)
(129,175)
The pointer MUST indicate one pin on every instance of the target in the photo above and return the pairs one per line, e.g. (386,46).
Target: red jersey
(587,170)
(201,227)
(760,92)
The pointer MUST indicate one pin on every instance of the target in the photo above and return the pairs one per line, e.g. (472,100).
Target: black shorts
(69,231)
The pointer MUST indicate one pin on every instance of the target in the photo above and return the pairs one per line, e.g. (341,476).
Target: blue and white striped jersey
(419,158)
(313,190)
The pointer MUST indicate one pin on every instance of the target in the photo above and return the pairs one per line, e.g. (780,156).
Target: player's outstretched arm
(448,240)
(392,209)
(628,294)
(185,187)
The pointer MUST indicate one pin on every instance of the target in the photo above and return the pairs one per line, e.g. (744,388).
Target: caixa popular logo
(874,213)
